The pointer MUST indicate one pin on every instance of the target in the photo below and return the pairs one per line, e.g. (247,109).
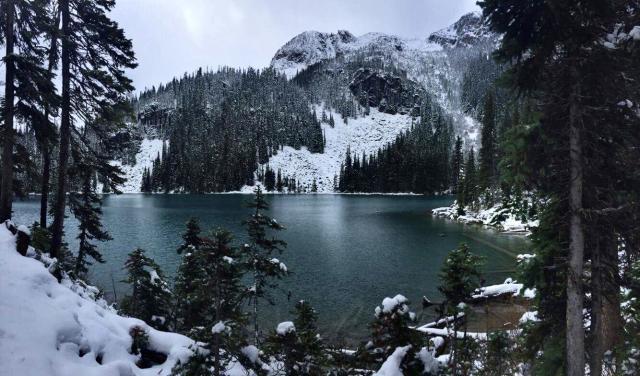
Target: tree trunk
(575,327)
(44,192)
(606,320)
(65,135)
(46,161)
(6,187)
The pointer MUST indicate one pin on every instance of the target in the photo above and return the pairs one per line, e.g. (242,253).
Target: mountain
(468,31)
(340,92)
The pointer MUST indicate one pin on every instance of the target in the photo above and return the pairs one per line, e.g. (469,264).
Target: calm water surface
(346,252)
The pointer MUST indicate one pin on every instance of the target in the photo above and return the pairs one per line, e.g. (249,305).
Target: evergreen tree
(190,305)
(279,182)
(86,207)
(470,181)
(191,237)
(269,179)
(221,320)
(460,276)
(487,171)
(94,54)
(498,355)
(265,269)
(390,330)
(28,86)
(150,299)
(559,58)
(456,165)
(297,345)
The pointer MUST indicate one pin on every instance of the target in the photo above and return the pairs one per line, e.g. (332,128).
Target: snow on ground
(149,150)
(364,134)
(496,216)
(51,328)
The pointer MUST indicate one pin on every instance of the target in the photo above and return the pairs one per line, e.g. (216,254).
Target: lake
(346,252)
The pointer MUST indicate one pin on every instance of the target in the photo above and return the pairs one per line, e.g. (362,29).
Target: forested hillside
(221,125)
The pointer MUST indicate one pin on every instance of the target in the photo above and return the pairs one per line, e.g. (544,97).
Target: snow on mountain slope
(467,31)
(51,328)
(149,150)
(436,63)
(364,134)
(311,47)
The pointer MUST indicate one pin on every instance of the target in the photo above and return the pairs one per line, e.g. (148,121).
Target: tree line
(418,160)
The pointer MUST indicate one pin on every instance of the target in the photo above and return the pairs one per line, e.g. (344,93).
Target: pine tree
(191,237)
(470,181)
(460,276)
(390,330)
(221,293)
(269,179)
(265,269)
(190,305)
(297,345)
(150,299)
(456,165)
(28,84)
(86,207)
(94,54)
(488,166)
(279,182)
(559,58)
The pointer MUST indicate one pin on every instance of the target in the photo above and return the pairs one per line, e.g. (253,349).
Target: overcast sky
(171,37)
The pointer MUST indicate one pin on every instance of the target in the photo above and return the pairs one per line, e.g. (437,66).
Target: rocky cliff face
(389,93)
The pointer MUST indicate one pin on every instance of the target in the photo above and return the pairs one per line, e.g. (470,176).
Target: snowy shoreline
(496,217)
(247,192)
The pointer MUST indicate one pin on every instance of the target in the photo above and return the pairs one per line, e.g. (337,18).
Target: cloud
(173,37)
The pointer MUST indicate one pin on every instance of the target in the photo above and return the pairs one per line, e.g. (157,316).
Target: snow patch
(149,151)
(363,135)
(285,328)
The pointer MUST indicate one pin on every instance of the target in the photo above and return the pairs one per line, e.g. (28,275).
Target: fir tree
(456,165)
(150,299)
(221,320)
(390,330)
(460,276)
(470,181)
(559,59)
(191,237)
(265,269)
(94,54)
(488,166)
(297,345)
(28,85)
(86,207)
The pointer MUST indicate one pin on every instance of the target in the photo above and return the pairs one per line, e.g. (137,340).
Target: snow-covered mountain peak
(469,30)
(309,48)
